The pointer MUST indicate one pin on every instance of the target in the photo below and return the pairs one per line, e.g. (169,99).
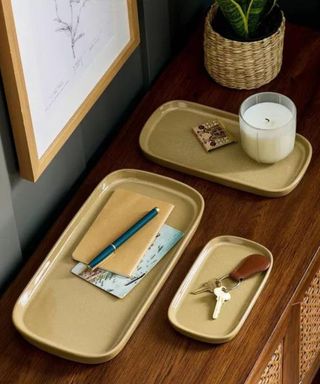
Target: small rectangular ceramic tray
(167,139)
(192,314)
(60,313)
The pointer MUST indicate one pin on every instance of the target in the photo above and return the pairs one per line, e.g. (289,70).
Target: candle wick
(268,120)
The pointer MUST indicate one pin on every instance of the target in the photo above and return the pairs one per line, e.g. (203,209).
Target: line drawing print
(71,27)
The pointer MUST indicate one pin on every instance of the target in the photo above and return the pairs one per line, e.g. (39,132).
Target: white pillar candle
(267,128)
(267,115)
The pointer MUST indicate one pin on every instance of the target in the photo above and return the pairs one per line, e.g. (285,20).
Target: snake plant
(245,16)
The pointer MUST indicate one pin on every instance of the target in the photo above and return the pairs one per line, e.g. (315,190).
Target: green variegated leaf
(243,4)
(269,7)
(255,13)
(235,15)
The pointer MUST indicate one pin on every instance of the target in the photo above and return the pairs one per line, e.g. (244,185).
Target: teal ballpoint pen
(123,238)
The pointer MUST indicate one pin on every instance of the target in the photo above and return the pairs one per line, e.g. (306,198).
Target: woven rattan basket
(242,65)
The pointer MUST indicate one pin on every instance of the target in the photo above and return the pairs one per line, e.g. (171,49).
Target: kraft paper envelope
(123,209)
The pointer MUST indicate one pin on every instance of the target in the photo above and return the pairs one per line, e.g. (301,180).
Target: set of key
(222,295)
(249,266)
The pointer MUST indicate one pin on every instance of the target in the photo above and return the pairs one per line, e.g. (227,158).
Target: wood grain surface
(289,226)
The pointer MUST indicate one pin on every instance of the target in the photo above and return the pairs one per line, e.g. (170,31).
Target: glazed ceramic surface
(66,316)
(192,314)
(167,139)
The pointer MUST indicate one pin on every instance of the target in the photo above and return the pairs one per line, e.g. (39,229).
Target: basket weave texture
(273,371)
(242,65)
(310,326)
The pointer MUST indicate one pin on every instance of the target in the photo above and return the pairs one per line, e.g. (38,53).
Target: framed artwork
(56,58)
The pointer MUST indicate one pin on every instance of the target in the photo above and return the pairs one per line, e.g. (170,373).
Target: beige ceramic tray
(167,139)
(192,314)
(62,314)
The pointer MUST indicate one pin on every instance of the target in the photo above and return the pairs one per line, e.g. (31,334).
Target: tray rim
(188,278)
(226,181)
(71,354)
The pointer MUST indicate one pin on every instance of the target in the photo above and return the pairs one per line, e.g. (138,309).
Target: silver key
(222,295)
(208,286)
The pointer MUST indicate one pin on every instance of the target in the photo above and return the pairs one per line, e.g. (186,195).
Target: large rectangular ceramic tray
(192,314)
(167,139)
(62,314)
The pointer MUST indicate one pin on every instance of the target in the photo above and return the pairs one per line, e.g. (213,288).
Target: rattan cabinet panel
(309,327)
(273,371)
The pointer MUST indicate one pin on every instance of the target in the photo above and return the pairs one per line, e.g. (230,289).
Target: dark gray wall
(303,12)
(27,208)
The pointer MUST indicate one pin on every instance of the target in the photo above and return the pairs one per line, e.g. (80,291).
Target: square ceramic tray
(192,314)
(62,314)
(167,139)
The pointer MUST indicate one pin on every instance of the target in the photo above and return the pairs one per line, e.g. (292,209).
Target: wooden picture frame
(44,109)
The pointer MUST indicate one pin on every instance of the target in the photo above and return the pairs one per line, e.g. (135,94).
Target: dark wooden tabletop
(288,226)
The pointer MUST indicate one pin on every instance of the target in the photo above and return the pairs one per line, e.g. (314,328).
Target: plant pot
(242,65)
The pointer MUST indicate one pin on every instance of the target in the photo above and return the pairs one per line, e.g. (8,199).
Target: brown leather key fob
(249,266)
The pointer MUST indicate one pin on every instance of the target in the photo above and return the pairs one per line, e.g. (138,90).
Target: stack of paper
(120,286)
(120,272)
(123,209)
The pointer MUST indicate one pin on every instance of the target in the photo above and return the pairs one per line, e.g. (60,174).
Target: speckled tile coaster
(212,135)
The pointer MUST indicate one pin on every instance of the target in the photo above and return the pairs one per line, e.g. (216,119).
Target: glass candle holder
(268,126)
